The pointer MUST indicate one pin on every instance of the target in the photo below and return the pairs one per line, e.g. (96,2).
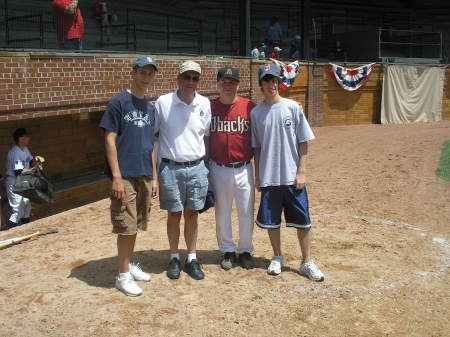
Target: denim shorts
(275,199)
(182,186)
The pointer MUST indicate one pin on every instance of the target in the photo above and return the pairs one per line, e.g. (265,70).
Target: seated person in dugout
(129,134)
(183,118)
(231,171)
(280,135)
(19,161)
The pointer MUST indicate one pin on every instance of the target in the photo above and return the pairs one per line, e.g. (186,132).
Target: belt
(235,165)
(185,163)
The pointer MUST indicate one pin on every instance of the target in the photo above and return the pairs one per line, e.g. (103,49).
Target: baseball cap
(20,132)
(143,61)
(190,66)
(228,72)
(277,49)
(209,201)
(269,69)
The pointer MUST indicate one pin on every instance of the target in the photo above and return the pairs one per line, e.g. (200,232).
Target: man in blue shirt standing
(273,32)
(129,134)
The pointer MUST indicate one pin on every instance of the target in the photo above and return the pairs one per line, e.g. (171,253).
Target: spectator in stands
(129,122)
(276,53)
(259,53)
(255,53)
(273,32)
(338,53)
(19,161)
(69,24)
(106,15)
(296,47)
(183,118)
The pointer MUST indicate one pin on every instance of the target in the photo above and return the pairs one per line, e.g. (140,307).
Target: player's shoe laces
(137,273)
(128,286)
(311,271)
(275,265)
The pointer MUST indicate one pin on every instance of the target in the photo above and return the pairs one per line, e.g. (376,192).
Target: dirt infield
(381,235)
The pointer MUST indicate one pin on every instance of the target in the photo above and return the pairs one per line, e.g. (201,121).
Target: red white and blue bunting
(351,79)
(289,73)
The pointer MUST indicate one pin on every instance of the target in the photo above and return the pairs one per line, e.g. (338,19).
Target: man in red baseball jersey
(69,24)
(231,172)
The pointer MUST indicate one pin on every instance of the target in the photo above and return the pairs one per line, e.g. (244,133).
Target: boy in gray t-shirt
(280,135)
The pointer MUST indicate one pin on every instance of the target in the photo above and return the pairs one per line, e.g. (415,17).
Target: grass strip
(443,170)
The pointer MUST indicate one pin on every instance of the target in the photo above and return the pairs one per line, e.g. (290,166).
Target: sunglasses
(190,78)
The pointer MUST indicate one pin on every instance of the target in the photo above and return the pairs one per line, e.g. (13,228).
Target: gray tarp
(412,94)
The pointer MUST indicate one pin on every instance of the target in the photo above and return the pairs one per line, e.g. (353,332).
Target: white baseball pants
(20,206)
(233,184)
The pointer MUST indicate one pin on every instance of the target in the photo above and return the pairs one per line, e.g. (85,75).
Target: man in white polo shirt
(182,120)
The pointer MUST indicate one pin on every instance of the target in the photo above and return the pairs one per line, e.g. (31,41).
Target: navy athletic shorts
(276,198)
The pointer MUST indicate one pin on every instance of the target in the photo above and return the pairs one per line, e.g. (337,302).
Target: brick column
(315,95)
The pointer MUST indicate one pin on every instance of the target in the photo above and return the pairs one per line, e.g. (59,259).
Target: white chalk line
(439,269)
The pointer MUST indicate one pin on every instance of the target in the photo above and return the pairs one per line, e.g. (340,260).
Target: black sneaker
(246,261)
(193,270)
(174,269)
(229,259)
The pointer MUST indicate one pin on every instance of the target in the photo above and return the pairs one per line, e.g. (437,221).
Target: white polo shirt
(182,127)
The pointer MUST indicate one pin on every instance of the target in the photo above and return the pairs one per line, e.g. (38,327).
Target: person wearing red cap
(230,151)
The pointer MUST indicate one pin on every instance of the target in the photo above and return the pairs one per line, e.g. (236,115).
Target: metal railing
(409,44)
(25,19)
(129,36)
(171,40)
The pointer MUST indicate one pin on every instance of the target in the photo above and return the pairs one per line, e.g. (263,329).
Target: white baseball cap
(190,66)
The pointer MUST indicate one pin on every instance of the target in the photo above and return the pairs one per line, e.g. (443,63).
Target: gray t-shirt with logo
(278,129)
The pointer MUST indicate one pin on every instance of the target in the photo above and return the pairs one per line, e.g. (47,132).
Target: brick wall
(362,106)
(44,84)
(446,96)
(71,144)
(60,98)
(72,198)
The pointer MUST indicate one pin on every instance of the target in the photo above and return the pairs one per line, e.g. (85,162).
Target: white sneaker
(311,271)
(275,265)
(128,286)
(137,273)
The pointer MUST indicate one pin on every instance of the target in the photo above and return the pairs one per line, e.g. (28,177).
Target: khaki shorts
(131,213)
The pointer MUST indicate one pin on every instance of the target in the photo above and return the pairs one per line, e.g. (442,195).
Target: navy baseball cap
(143,61)
(20,132)
(269,69)
(209,201)
(228,72)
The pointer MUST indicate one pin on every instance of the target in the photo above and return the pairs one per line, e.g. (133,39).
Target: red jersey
(68,26)
(230,138)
